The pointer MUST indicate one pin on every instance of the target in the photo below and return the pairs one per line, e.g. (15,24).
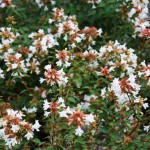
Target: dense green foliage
(64,84)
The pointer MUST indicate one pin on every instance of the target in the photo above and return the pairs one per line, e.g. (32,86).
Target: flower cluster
(28,58)
(12,127)
(146,33)
(15,61)
(53,107)
(63,58)
(53,76)
(138,15)
(44,3)
(42,42)
(7,35)
(126,85)
(74,116)
(5,3)
(68,27)
(79,119)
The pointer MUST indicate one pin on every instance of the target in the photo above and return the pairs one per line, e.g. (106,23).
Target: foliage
(68,77)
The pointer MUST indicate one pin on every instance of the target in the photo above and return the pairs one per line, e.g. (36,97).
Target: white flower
(147,73)
(116,87)
(18,55)
(36,126)
(65,37)
(15,128)
(46,113)
(69,111)
(3,122)
(93,6)
(47,67)
(87,98)
(73,45)
(42,80)
(132,12)
(145,105)
(78,39)
(43,95)
(13,141)
(100,32)
(63,114)
(89,119)
(146,128)
(14,66)
(13,113)
(29,135)
(85,105)
(59,63)
(41,31)
(46,105)
(103,92)
(29,110)
(50,21)
(78,131)
(1,73)
(61,101)
(143,63)
(2,133)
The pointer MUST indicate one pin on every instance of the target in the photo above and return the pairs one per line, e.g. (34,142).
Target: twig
(27,88)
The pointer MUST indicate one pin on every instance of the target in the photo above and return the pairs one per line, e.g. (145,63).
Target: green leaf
(71,99)
(103,129)
(37,141)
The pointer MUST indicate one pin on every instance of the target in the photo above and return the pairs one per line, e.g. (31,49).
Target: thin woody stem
(27,88)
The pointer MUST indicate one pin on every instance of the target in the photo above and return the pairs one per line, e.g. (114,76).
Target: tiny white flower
(100,32)
(78,131)
(43,95)
(50,21)
(46,105)
(18,55)
(13,141)
(14,66)
(145,105)
(60,100)
(47,67)
(63,114)
(15,128)
(29,135)
(36,126)
(146,128)
(73,45)
(89,119)
(147,73)
(41,31)
(69,111)
(46,113)
(42,80)
(78,39)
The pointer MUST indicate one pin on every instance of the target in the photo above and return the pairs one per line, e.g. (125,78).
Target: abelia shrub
(64,85)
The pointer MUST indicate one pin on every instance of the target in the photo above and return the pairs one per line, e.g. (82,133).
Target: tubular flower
(53,76)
